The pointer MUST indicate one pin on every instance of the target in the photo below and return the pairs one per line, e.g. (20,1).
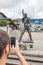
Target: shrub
(3,23)
(41,29)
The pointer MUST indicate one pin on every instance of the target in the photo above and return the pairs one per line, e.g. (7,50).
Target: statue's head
(25,15)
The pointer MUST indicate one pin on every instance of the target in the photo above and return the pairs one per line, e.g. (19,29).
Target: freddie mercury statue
(27,26)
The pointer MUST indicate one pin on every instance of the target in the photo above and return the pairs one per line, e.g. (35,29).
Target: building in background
(2,16)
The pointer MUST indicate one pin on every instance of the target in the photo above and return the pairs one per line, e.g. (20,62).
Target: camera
(13,41)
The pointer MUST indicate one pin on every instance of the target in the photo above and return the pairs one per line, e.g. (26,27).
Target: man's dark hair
(4,40)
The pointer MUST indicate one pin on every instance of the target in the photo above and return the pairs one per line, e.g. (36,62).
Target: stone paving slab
(35,53)
(31,53)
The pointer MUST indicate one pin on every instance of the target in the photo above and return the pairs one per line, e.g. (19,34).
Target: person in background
(5,49)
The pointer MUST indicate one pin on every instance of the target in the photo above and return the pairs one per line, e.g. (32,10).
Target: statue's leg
(21,35)
(28,29)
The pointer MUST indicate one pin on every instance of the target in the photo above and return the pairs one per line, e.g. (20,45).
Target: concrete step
(28,58)
(12,62)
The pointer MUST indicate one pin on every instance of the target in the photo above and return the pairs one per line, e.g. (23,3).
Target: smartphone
(13,41)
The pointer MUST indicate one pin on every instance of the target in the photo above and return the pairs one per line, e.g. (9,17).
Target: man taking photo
(5,49)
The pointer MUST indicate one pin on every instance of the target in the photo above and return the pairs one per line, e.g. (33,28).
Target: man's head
(4,44)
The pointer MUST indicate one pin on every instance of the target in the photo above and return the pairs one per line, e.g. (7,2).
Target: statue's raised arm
(23,12)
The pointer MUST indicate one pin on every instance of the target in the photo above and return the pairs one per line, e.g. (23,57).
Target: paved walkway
(37,38)
(33,53)
(35,35)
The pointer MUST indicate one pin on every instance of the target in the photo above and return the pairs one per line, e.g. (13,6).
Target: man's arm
(21,58)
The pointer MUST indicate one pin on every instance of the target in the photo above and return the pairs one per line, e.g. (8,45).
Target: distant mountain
(37,21)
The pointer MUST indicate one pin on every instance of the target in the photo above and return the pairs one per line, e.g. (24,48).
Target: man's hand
(17,51)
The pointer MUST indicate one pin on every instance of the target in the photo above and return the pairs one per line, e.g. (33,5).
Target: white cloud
(13,8)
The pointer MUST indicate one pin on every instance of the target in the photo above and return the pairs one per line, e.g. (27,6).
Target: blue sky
(13,8)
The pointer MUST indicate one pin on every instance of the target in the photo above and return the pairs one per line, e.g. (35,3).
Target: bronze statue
(27,25)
